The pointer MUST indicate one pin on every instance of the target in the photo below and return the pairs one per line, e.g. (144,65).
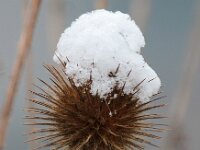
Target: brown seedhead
(70,117)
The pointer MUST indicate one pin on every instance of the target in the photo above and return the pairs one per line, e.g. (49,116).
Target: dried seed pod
(70,117)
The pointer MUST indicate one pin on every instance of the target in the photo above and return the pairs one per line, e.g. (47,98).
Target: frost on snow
(98,43)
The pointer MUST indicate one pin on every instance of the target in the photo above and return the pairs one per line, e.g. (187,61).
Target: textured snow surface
(100,41)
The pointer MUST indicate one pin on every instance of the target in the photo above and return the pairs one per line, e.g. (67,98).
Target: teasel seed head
(100,97)
(71,117)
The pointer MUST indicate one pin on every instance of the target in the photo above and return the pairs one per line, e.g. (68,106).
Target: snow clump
(106,46)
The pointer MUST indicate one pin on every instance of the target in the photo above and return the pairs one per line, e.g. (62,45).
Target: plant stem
(101,4)
(55,22)
(184,93)
(23,50)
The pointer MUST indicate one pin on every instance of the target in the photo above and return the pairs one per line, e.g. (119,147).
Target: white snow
(100,41)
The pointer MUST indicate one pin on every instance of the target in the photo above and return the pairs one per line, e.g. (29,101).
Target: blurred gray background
(171,31)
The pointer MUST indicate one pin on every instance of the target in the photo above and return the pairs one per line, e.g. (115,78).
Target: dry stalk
(183,95)
(100,4)
(23,49)
(29,75)
(55,21)
(140,10)
(29,82)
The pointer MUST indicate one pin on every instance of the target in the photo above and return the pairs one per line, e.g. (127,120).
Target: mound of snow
(98,43)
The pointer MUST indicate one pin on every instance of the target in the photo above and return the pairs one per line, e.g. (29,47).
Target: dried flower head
(73,118)
(100,98)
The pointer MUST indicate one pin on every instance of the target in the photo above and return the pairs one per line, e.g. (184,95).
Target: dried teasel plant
(99,99)
(70,117)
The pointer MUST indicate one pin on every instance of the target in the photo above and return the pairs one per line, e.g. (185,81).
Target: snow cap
(98,43)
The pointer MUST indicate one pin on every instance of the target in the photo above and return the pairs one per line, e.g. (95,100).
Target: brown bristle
(72,118)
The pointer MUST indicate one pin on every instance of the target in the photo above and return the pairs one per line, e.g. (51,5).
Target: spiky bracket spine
(72,118)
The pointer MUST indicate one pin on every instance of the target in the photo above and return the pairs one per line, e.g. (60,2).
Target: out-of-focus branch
(183,95)
(29,82)
(140,10)
(100,4)
(29,79)
(55,21)
(23,49)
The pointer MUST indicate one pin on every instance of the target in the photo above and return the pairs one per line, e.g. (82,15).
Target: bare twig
(23,49)
(29,96)
(183,96)
(29,79)
(100,4)
(55,21)
(140,10)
